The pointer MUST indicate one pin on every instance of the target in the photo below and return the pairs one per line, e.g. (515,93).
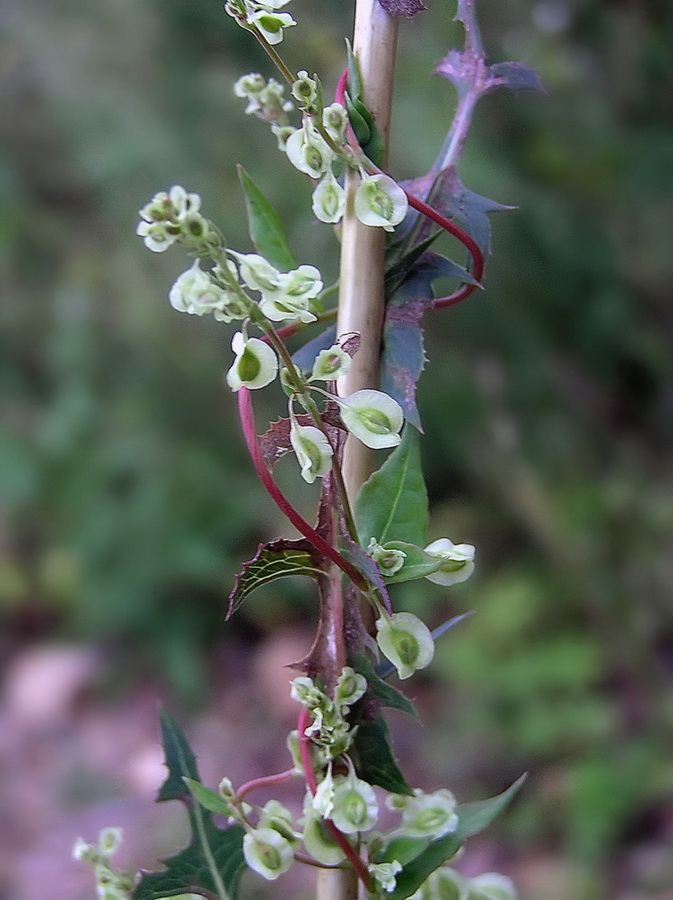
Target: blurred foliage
(128,502)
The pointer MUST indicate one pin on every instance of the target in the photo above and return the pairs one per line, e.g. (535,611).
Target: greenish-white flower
(257,273)
(459,563)
(380,201)
(305,90)
(308,151)
(313,451)
(429,815)
(405,641)
(291,299)
(355,807)
(492,886)
(373,417)
(275,815)
(388,560)
(267,852)
(335,119)
(330,364)
(271,24)
(384,874)
(350,687)
(318,839)
(109,840)
(255,365)
(329,199)
(444,883)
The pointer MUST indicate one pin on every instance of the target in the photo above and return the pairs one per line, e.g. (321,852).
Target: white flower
(335,119)
(305,89)
(406,642)
(384,874)
(255,366)
(373,417)
(271,24)
(196,293)
(389,561)
(257,273)
(268,852)
(313,451)
(329,199)
(158,236)
(429,815)
(308,152)
(459,563)
(330,364)
(380,201)
(323,799)
(318,839)
(291,297)
(355,806)
(492,886)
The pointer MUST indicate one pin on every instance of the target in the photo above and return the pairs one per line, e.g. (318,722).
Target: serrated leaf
(265,226)
(213,862)
(275,559)
(406,9)
(386,695)
(393,504)
(417,563)
(373,756)
(366,566)
(515,76)
(208,798)
(179,760)
(191,871)
(472,818)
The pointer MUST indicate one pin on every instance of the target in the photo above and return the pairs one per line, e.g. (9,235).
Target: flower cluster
(172,216)
(111,884)
(330,730)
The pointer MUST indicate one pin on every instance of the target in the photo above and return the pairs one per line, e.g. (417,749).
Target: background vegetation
(548,401)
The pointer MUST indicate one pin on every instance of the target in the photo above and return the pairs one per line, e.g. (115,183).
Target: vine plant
(367,536)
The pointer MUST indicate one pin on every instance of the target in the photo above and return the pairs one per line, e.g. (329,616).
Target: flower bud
(459,563)
(406,642)
(313,451)
(389,561)
(335,119)
(305,90)
(267,852)
(255,366)
(373,417)
(384,874)
(380,201)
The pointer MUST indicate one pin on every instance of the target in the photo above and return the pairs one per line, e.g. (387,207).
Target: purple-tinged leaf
(406,9)
(276,559)
(515,76)
(403,356)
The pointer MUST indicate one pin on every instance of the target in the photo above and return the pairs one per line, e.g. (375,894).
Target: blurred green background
(128,500)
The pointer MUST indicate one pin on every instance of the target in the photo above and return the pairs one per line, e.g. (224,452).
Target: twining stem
(264,781)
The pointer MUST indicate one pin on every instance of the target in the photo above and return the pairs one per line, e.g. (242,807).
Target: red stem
(265,781)
(420,206)
(248,425)
(341,839)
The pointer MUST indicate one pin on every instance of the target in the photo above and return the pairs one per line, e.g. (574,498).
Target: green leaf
(387,695)
(213,862)
(191,870)
(357,114)
(472,818)
(393,503)
(276,559)
(265,227)
(374,759)
(179,759)
(403,849)
(417,563)
(208,798)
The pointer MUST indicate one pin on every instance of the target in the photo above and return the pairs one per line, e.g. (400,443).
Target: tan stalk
(361,291)
(361,296)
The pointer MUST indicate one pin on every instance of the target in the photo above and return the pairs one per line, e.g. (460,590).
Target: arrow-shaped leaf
(276,559)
